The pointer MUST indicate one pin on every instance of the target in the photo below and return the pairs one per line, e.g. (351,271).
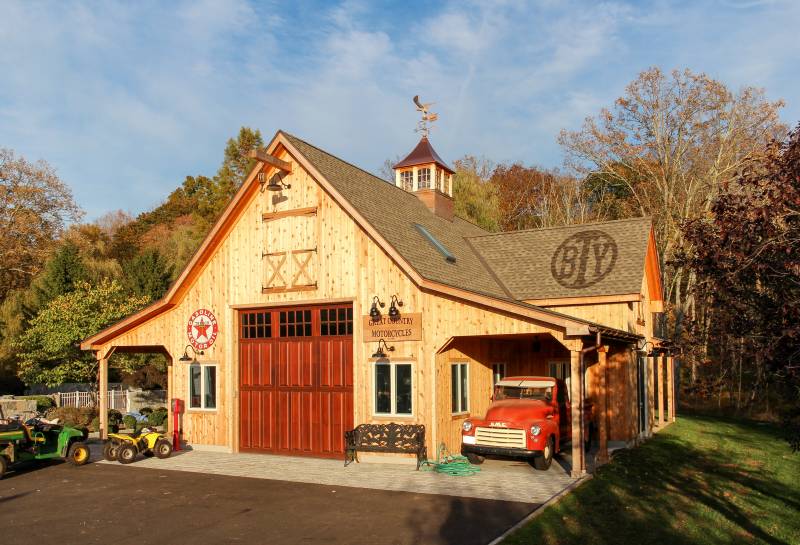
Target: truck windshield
(517,392)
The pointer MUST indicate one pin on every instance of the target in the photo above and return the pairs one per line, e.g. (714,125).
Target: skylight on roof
(450,258)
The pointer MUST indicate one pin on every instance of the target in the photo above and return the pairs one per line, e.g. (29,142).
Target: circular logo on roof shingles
(584,259)
(202,329)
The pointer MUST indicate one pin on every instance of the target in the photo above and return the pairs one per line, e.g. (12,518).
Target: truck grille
(500,437)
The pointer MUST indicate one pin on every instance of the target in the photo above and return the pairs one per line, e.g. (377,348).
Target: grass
(703,480)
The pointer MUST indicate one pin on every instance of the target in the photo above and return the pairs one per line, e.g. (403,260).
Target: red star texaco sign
(202,329)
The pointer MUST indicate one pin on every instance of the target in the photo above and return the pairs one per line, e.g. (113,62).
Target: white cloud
(125,99)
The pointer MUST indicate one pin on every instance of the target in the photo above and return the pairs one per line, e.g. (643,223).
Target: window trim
(407,180)
(202,366)
(393,381)
(428,180)
(458,364)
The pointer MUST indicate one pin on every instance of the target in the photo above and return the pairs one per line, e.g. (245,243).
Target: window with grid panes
(295,323)
(407,180)
(256,325)
(336,321)
(424,175)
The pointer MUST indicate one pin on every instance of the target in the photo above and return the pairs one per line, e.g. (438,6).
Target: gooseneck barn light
(185,358)
(393,312)
(374,312)
(379,353)
(275,183)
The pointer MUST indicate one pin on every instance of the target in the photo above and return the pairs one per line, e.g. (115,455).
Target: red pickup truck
(529,418)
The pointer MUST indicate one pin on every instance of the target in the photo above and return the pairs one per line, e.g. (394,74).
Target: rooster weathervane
(428,117)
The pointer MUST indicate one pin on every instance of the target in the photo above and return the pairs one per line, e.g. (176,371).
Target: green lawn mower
(38,440)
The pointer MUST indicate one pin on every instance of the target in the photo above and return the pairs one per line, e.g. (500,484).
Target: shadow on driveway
(105,503)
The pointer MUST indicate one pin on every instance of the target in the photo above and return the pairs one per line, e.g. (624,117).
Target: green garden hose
(448,464)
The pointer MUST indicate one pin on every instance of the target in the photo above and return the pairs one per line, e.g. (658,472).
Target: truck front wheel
(543,461)
(3,466)
(475,459)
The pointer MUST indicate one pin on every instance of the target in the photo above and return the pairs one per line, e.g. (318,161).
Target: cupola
(424,173)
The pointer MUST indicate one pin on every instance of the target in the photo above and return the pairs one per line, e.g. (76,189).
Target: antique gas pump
(177,431)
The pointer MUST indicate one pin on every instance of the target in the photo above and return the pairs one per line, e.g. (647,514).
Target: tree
(35,205)
(530,197)
(474,195)
(62,273)
(48,349)
(745,255)
(148,274)
(668,147)
(236,165)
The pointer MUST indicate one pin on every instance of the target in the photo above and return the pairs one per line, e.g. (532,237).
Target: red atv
(529,418)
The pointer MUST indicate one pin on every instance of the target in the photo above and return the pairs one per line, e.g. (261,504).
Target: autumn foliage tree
(745,255)
(667,149)
(35,206)
(531,197)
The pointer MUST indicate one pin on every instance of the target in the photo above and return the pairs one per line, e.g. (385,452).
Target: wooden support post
(670,389)
(103,395)
(651,395)
(602,405)
(660,397)
(170,386)
(576,414)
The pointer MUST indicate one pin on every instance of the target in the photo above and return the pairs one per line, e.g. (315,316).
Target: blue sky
(125,99)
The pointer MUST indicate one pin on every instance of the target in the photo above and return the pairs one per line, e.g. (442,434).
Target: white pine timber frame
(602,397)
(576,405)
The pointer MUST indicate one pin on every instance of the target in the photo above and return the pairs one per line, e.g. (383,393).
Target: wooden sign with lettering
(408,327)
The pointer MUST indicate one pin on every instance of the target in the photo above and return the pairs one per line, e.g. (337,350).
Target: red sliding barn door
(296,379)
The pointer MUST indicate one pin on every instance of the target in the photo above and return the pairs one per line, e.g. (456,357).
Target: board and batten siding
(348,265)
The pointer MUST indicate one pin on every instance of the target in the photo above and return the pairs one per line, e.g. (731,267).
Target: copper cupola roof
(423,154)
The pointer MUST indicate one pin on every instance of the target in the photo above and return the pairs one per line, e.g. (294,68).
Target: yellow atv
(124,447)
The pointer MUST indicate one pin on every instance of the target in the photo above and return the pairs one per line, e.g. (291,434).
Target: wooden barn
(325,297)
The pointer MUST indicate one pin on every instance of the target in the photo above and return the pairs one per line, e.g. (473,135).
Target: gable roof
(394,212)
(423,154)
(390,214)
(562,262)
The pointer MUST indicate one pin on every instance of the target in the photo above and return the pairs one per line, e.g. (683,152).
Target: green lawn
(701,480)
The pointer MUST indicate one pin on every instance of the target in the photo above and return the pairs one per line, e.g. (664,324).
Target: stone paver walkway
(497,480)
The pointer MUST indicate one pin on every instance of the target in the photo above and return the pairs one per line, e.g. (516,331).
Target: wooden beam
(651,393)
(271,160)
(602,398)
(660,397)
(309,211)
(310,287)
(670,389)
(586,300)
(103,395)
(576,410)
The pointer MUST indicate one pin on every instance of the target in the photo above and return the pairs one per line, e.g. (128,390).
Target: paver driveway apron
(497,480)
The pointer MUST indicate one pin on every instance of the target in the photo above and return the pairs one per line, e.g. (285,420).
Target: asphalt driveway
(108,503)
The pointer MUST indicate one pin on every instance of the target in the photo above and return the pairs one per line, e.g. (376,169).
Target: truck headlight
(466,426)
(536,430)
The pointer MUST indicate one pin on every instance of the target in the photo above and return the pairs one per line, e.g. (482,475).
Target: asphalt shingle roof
(393,212)
(575,261)
(591,259)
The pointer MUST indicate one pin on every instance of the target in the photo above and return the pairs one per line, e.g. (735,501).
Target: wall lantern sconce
(393,312)
(374,312)
(275,183)
(653,350)
(379,353)
(185,358)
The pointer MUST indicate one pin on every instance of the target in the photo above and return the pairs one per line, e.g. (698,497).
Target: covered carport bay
(605,361)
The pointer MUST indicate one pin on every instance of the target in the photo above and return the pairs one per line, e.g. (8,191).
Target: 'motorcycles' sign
(407,327)
(202,329)
(584,259)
